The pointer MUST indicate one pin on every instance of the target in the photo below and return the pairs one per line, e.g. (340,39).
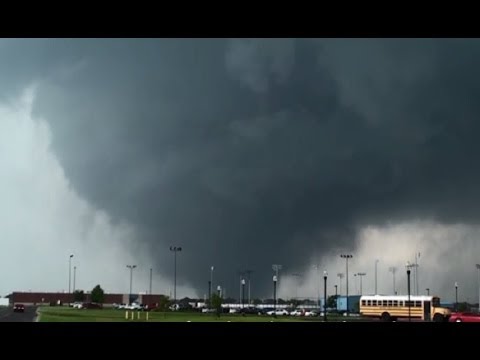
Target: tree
(98,295)
(78,295)
(164,303)
(257,301)
(332,302)
(294,302)
(217,303)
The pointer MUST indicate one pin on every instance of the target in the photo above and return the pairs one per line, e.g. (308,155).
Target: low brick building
(45,298)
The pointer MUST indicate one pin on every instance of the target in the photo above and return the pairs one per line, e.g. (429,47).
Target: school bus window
(395,302)
(418,304)
(389,302)
(369,302)
(374,302)
(364,302)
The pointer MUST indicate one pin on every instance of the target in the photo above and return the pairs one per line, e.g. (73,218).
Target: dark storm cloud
(249,153)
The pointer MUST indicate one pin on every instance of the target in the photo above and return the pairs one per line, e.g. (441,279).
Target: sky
(244,152)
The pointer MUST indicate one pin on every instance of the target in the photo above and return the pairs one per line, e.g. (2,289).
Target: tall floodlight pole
(131,267)
(340,276)
(360,275)
(69,272)
(175,249)
(393,269)
(346,257)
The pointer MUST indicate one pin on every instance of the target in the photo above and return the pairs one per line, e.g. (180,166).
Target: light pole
(456,296)
(249,272)
(376,262)
(346,257)
(277,268)
(210,283)
(296,285)
(243,293)
(478,268)
(175,249)
(336,297)
(219,290)
(340,276)
(317,267)
(428,291)
(150,292)
(393,269)
(408,266)
(74,277)
(360,275)
(69,272)
(417,255)
(325,275)
(131,267)
(274,293)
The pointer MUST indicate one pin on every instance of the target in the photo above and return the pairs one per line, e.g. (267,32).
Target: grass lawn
(66,314)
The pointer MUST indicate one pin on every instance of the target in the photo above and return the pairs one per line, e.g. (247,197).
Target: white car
(297,312)
(77,305)
(133,306)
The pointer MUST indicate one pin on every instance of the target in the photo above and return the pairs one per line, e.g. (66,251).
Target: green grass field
(65,314)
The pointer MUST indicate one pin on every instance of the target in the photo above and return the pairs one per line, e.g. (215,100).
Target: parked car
(91,305)
(464,317)
(18,308)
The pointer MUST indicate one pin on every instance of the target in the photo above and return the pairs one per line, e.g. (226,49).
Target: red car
(464,317)
(18,308)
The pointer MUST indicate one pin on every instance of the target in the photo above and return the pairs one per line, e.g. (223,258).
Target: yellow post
(147,316)
(138,315)
(126,315)
(133,315)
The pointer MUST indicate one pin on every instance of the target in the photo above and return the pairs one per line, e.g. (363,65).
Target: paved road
(7,314)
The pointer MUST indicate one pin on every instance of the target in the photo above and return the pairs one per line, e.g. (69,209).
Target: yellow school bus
(393,307)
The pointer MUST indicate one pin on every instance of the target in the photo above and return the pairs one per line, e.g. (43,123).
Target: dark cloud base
(248,153)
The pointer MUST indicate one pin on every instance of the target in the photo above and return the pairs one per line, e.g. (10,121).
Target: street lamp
(346,257)
(175,249)
(325,275)
(74,276)
(376,262)
(428,291)
(131,267)
(456,296)
(69,271)
(393,269)
(275,293)
(360,275)
(408,266)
